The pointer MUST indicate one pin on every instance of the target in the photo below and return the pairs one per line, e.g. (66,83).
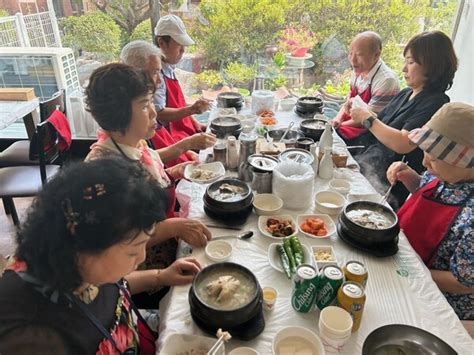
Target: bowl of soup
(225,295)
(309,104)
(230,99)
(312,128)
(224,126)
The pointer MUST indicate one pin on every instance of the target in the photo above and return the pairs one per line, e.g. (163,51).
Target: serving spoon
(287,130)
(243,236)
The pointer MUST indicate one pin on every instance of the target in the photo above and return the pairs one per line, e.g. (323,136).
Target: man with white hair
(372,81)
(146,56)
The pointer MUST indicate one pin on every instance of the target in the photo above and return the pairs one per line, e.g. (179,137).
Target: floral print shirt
(456,252)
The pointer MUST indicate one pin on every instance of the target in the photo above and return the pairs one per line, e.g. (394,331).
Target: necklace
(88,295)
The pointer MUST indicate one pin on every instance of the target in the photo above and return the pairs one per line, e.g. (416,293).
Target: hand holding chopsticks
(384,198)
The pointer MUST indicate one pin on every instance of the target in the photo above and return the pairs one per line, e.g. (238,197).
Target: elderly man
(171,38)
(374,82)
(146,56)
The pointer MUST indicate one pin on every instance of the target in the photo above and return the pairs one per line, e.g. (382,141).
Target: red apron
(349,132)
(174,98)
(171,189)
(163,139)
(426,221)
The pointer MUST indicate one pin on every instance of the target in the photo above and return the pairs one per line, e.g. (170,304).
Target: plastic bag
(293,183)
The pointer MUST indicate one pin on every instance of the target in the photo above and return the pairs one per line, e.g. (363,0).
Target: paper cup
(335,328)
(269,298)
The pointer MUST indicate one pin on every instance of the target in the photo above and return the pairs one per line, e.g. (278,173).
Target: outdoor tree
(93,32)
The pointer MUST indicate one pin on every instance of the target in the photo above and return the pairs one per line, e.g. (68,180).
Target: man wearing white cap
(172,109)
(438,218)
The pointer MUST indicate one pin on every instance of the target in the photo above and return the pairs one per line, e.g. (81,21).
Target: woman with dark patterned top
(438,218)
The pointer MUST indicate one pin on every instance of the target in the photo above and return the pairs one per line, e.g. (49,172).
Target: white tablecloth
(400,289)
(10,111)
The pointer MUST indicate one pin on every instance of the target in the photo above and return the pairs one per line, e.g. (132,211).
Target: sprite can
(305,288)
(331,279)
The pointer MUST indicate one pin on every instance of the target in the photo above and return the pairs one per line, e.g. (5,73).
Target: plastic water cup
(335,328)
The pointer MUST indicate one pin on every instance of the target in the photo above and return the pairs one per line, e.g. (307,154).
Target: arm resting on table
(448,283)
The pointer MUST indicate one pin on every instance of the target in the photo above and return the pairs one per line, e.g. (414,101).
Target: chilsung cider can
(331,279)
(356,271)
(305,288)
(351,297)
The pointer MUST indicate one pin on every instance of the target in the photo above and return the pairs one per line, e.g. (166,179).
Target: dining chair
(27,180)
(18,153)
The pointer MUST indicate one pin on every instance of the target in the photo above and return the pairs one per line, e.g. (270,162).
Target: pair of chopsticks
(216,346)
(223,227)
(384,198)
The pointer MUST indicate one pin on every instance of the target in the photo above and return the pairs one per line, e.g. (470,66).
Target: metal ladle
(287,130)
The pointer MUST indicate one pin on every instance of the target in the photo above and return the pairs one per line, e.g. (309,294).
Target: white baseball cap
(173,26)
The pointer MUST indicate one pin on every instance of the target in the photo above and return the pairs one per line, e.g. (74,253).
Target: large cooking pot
(244,320)
(313,128)
(309,104)
(226,126)
(230,99)
(234,209)
(290,137)
(369,237)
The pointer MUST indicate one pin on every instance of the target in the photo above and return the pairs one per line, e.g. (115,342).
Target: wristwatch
(368,122)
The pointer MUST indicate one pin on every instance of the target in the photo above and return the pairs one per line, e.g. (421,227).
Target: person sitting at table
(119,98)
(430,64)
(173,112)
(372,80)
(146,56)
(438,218)
(67,290)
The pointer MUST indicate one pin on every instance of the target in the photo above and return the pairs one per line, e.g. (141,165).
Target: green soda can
(305,288)
(331,279)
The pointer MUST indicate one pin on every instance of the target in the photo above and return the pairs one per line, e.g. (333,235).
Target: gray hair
(137,53)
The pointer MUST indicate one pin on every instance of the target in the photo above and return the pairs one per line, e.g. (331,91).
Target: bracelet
(157,286)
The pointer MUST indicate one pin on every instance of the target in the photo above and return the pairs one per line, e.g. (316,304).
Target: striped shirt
(385,85)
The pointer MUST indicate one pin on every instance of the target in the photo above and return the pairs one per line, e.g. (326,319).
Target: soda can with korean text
(330,280)
(305,288)
(351,297)
(355,271)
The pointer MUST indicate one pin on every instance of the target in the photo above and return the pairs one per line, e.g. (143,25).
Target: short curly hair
(110,93)
(111,200)
(435,52)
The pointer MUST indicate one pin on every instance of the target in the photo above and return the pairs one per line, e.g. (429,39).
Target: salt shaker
(313,149)
(326,138)
(326,165)
(232,153)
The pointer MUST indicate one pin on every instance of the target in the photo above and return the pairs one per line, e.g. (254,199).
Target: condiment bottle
(248,144)
(220,152)
(326,138)
(313,149)
(232,153)
(326,165)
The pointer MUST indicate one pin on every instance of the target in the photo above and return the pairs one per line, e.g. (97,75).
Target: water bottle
(326,165)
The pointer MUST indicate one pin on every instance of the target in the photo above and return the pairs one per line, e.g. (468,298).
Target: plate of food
(204,173)
(277,227)
(316,225)
(274,257)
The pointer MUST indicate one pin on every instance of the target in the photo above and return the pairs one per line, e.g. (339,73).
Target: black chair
(18,152)
(27,180)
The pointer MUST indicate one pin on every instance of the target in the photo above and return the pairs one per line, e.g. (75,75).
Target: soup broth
(226,289)
(295,345)
(370,219)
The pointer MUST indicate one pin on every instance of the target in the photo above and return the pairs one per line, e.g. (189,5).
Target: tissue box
(17,94)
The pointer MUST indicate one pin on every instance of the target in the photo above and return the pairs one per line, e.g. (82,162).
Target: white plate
(216,167)
(182,343)
(262,224)
(274,256)
(330,226)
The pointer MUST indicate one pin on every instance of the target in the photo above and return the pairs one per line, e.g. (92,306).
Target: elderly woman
(438,218)
(144,55)
(120,99)
(430,64)
(67,291)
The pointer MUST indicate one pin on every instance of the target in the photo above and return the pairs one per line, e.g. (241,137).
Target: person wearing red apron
(438,219)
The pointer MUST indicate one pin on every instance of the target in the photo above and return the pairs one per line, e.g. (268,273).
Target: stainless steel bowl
(404,339)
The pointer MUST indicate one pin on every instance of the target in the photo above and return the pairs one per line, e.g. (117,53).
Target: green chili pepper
(297,250)
(285,262)
(289,252)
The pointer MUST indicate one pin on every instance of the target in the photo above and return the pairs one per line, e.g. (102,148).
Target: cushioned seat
(17,154)
(23,181)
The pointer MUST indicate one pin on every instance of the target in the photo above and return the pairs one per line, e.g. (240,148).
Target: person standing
(372,80)
(173,112)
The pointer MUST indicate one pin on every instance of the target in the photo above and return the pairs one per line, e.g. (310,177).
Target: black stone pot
(230,99)
(309,104)
(225,126)
(308,129)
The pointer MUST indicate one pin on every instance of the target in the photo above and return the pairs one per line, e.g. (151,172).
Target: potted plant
(297,40)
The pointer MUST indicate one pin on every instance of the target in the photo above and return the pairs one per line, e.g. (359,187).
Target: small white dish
(218,250)
(328,223)
(244,350)
(216,168)
(330,202)
(262,225)
(340,185)
(287,104)
(184,343)
(274,257)
(325,249)
(267,204)
(290,333)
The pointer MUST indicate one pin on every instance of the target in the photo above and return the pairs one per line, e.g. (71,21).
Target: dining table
(12,111)
(399,290)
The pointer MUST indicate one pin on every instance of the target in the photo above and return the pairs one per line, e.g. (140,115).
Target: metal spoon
(243,236)
(287,130)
